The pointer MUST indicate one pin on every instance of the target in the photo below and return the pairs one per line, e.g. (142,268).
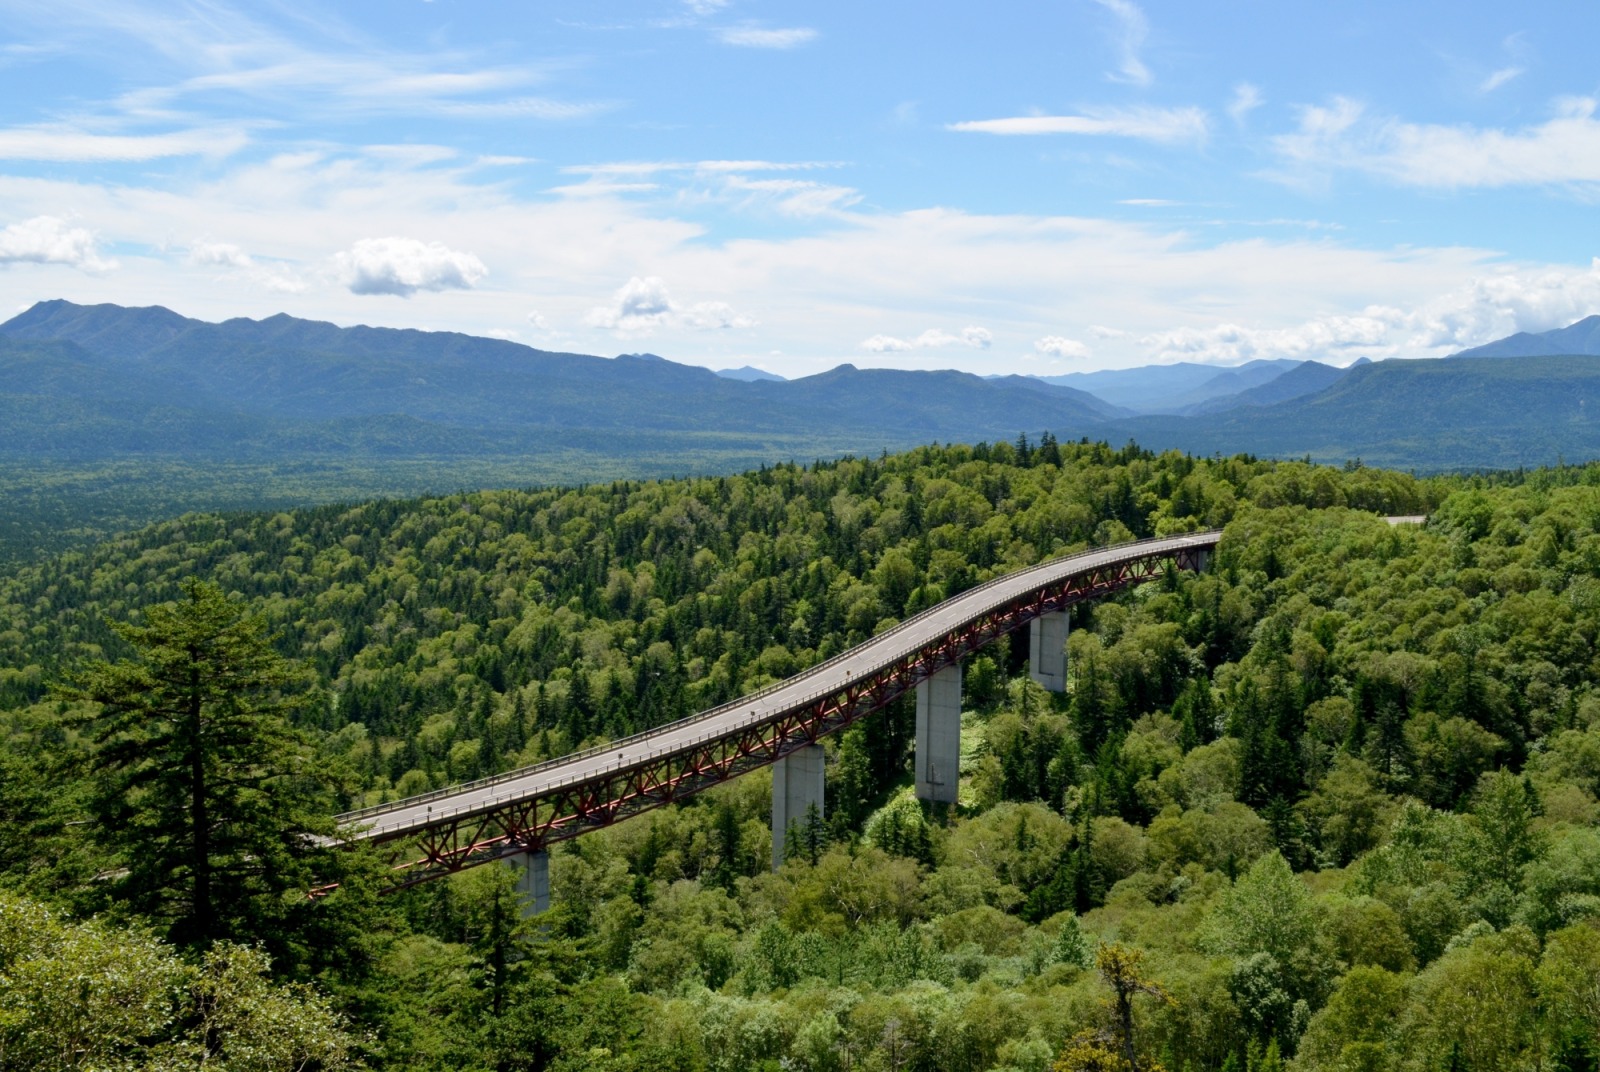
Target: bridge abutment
(797,784)
(1047,650)
(533,881)
(938,757)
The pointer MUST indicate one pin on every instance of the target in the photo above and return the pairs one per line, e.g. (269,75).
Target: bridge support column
(796,785)
(533,881)
(938,758)
(1047,650)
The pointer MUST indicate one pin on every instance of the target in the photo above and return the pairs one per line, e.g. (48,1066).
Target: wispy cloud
(64,144)
(1133,29)
(756,37)
(1246,99)
(1146,124)
(1343,136)
(1498,79)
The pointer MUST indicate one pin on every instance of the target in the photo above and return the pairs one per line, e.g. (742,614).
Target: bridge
(515,816)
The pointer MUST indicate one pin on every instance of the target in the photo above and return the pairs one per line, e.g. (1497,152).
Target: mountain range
(319,410)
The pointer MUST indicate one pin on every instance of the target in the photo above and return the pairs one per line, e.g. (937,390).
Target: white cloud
(932,339)
(537,319)
(49,240)
(1372,332)
(886,344)
(705,7)
(403,266)
(1246,99)
(1134,28)
(219,255)
(1498,78)
(1148,124)
(819,287)
(753,37)
(1058,346)
(642,304)
(1494,306)
(1100,331)
(1564,149)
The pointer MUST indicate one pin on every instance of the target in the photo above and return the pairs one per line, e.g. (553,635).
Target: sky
(1034,187)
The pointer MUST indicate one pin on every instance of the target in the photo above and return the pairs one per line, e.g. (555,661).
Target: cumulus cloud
(1321,339)
(1134,28)
(932,339)
(219,255)
(1147,124)
(1058,346)
(403,266)
(49,240)
(643,304)
(537,319)
(1485,308)
(1342,135)
(753,37)
(1492,306)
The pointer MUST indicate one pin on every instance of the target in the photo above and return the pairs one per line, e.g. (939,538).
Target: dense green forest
(1330,805)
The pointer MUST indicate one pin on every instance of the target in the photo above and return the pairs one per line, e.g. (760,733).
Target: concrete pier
(938,758)
(533,881)
(1047,650)
(796,785)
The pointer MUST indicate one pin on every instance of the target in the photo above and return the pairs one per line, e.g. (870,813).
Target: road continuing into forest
(525,810)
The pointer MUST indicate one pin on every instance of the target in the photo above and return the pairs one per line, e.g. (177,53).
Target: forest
(1332,804)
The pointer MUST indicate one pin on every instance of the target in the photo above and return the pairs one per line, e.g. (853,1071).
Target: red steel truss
(458,841)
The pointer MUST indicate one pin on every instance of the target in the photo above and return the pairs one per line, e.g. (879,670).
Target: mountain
(750,373)
(1306,378)
(1580,338)
(1171,388)
(283,387)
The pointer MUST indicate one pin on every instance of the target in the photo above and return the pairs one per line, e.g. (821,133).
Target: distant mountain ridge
(295,386)
(97,383)
(1171,388)
(1582,337)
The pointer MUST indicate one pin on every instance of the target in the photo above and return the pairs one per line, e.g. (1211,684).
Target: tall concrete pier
(1047,650)
(797,783)
(938,757)
(533,881)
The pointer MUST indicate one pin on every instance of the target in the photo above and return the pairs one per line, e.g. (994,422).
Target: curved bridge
(521,812)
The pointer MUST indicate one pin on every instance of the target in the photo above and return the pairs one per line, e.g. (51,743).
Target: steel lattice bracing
(526,810)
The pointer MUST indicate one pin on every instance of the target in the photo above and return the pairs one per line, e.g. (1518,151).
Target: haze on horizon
(1097,183)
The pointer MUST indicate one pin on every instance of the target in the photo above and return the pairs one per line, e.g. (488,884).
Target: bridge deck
(857,665)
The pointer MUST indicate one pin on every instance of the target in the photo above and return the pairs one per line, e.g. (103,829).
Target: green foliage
(90,996)
(1351,768)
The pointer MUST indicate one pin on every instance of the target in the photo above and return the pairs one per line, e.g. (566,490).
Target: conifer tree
(201,778)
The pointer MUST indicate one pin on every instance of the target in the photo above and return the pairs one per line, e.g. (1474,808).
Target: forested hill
(1331,804)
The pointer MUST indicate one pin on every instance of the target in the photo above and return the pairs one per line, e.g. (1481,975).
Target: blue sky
(1033,187)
